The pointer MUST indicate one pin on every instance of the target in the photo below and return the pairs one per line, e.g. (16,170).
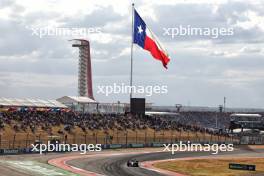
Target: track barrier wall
(22,142)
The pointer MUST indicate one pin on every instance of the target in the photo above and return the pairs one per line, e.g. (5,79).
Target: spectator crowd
(187,121)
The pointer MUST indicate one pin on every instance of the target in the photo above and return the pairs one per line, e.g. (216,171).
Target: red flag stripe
(158,54)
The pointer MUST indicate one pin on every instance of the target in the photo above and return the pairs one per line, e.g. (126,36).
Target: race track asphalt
(116,165)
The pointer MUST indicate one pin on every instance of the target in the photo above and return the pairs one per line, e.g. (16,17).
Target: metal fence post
(65,138)
(145,136)
(74,138)
(39,136)
(197,137)
(14,138)
(105,139)
(96,138)
(27,140)
(154,136)
(171,136)
(117,137)
(126,137)
(204,135)
(180,137)
(136,136)
(163,136)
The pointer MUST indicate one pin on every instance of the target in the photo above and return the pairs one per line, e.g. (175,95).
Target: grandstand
(248,127)
(25,121)
(22,127)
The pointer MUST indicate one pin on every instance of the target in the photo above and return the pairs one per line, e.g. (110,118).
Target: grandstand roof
(245,115)
(160,113)
(208,109)
(28,102)
(75,99)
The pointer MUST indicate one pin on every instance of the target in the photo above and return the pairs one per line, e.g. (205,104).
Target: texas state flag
(145,38)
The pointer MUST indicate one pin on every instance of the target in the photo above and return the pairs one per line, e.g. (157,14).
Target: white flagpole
(131,59)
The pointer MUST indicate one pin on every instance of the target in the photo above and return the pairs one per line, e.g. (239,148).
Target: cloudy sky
(202,69)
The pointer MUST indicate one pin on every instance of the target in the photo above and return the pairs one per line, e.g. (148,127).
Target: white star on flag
(140,30)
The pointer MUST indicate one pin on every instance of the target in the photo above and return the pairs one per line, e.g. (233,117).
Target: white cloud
(215,67)
(17,79)
(253,21)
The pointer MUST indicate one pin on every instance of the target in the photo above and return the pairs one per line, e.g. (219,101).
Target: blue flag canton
(139,30)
